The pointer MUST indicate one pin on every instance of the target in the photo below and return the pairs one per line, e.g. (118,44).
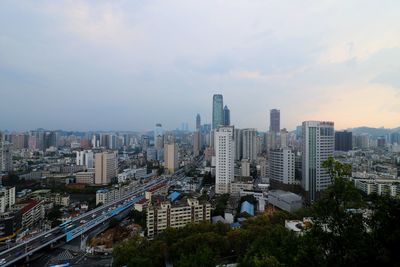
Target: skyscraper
(227,116)
(249,148)
(218,112)
(196,143)
(343,141)
(198,122)
(318,145)
(171,157)
(238,144)
(224,154)
(275,121)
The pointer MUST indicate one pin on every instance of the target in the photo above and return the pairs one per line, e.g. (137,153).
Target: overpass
(83,223)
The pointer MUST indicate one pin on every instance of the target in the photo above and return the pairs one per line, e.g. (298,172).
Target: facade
(245,167)
(224,154)
(106,167)
(282,166)
(318,145)
(175,215)
(249,144)
(171,157)
(32,212)
(104,196)
(227,116)
(217,112)
(343,141)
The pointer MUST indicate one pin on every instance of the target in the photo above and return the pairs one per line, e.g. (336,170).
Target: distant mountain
(374,131)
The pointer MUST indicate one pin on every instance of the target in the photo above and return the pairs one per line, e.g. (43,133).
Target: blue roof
(248,208)
(174,195)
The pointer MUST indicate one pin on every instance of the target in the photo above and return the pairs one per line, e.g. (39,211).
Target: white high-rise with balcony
(225,155)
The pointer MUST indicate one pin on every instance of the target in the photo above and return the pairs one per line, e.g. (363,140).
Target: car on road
(3,261)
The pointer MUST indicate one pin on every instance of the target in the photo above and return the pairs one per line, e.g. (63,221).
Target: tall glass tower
(218,111)
(227,116)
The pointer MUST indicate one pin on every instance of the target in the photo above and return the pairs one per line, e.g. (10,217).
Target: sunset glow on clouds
(126,65)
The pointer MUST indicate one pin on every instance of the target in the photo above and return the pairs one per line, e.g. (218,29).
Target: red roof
(29,205)
(142,201)
(156,187)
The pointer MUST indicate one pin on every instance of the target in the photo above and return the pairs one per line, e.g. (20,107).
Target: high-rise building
(227,116)
(343,141)
(218,112)
(238,144)
(106,167)
(171,157)
(318,144)
(145,142)
(196,143)
(275,121)
(249,148)
(85,158)
(198,122)
(282,166)
(245,167)
(224,155)
(6,163)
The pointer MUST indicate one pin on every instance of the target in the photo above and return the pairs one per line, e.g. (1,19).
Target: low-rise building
(10,224)
(104,196)
(32,212)
(286,201)
(84,177)
(175,214)
(7,198)
(241,183)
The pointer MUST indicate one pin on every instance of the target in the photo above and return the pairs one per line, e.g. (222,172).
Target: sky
(127,65)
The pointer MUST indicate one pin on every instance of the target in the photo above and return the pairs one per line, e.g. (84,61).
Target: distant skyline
(127,65)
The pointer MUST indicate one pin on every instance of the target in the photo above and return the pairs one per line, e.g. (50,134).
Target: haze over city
(126,65)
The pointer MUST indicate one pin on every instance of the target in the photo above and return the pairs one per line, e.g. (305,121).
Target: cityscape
(102,163)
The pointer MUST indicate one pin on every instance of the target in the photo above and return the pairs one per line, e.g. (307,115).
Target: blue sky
(126,65)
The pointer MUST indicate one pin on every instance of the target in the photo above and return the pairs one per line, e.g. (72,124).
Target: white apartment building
(224,155)
(166,215)
(318,144)
(7,198)
(85,158)
(282,166)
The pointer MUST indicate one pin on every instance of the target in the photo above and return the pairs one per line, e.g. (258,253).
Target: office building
(85,177)
(343,141)
(198,122)
(171,157)
(106,167)
(217,111)
(227,116)
(318,145)
(225,155)
(249,147)
(275,121)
